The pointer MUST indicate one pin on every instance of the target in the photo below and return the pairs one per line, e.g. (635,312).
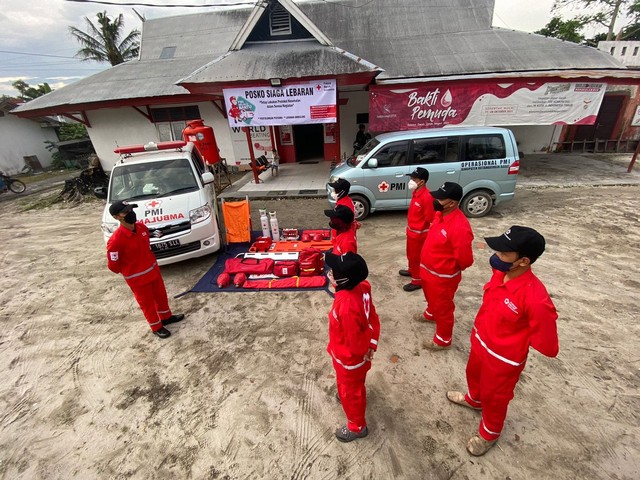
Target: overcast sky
(35,45)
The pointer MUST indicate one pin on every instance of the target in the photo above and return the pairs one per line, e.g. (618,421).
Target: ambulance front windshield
(152,180)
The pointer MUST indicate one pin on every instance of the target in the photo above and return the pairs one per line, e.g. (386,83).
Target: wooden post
(633,159)
(254,167)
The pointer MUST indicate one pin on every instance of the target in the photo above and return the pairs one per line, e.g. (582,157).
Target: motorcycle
(6,182)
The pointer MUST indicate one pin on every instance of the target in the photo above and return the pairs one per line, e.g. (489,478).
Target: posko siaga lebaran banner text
(431,105)
(305,102)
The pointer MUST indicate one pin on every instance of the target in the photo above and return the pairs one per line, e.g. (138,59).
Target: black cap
(120,207)
(523,240)
(448,191)
(341,185)
(348,270)
(421,173)
(340,212)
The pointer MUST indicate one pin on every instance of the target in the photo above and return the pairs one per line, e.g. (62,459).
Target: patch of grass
(40,203)
(27,179)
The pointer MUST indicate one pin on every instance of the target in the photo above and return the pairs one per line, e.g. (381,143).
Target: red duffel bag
(311,262)
(285,268)
(249,266)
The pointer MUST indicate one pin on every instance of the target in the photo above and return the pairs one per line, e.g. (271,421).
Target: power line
(170,5)
(34,54)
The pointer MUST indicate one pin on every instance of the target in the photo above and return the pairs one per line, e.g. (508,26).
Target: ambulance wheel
(361,206)
(477,203)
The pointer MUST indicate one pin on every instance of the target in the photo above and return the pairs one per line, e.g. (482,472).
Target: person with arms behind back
(516,313)
(446,252)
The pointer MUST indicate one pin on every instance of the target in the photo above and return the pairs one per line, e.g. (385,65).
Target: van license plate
(159,247)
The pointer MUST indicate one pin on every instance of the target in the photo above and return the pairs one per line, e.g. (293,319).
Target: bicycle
(16,186)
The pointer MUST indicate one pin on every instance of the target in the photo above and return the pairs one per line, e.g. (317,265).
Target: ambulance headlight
(109,228)
(199,214)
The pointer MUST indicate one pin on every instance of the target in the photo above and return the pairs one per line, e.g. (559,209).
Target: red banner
(431,105)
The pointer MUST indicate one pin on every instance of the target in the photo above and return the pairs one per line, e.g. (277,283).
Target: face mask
(130,217)
(437,206)
(500,265)
(412,185)
(334,195)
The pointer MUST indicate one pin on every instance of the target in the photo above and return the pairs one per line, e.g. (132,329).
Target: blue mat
(208,282)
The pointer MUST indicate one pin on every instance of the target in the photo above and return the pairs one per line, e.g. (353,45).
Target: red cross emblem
(318,87)
(153,204)
(383,187)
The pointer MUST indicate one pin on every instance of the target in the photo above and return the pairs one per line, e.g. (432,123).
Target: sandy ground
(244,389)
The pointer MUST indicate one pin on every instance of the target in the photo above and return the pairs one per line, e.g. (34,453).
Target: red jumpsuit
(129,253)
(345,242)
(513,316)
(445,253)
(354,328)
(419,218)
(346,202)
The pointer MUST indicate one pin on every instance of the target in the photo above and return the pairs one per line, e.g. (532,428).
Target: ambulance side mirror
(372,163)
(207,177)
(100,192)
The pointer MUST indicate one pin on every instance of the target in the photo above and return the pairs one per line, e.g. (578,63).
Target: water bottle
(275,231)
(264,223)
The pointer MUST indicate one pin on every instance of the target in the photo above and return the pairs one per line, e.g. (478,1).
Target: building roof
(413,39)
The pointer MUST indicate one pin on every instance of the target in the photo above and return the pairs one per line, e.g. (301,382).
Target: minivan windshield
(357,158)
(152,180)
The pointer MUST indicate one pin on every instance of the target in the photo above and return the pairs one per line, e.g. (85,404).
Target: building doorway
(608,116)
(309,142)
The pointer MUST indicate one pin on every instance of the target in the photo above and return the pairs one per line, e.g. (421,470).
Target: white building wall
(357,102)
(112,127)
(627,52)
(535,138)
(21,137)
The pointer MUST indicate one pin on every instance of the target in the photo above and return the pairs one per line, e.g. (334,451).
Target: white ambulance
(175,196)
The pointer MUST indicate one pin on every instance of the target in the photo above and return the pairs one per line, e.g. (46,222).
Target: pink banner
(431,106)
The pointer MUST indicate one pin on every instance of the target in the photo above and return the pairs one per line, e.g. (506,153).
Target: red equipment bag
(239,279)
(285,268)
(223,280)
(292,282)
(311,261)
(261,244)
(249,266)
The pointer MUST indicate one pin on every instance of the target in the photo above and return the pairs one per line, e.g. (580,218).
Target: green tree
(600,12)
(564,30)
(29,93)
(102,42)
(72,131)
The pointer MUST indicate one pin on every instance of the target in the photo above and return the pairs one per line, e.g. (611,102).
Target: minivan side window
(198,160)
(392,155)
(434,150)
(485,147)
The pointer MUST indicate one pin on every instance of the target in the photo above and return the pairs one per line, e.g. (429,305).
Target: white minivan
(483,160)
(175,196)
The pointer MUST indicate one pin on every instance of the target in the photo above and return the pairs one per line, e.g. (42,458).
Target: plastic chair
(237,221)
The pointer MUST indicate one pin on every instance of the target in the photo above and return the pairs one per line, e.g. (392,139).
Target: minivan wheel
(477,204)
(361,206)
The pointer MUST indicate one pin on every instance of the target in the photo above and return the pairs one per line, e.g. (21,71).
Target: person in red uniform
(354,330)
(446,252)
(129,253)
(340,193)
(419,218)
(516,313)
(341,221)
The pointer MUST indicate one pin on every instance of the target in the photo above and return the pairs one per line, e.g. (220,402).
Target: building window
(171,121)
(624,50)
(279,21)
(635,51)
(613,49)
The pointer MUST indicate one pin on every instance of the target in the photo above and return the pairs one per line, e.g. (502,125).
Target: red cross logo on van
(153,204)
(383,187)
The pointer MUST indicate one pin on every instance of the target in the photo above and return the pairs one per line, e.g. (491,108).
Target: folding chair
(237,221)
